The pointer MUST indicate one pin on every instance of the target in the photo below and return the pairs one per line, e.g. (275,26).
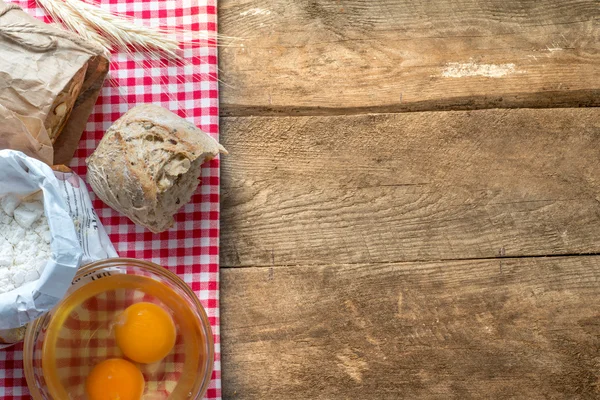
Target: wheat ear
(60,13)
(109,30)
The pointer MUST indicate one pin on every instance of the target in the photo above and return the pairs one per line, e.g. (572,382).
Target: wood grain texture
(341,56)
(481,329)
(412,186)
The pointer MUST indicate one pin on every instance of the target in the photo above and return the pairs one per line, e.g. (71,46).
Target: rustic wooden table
(411,204)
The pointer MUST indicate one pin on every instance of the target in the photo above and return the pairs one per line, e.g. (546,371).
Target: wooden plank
(411,186)
(496,329)
(330,56)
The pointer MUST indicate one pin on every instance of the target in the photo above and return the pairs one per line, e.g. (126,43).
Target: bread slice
(147,165)
(63,105)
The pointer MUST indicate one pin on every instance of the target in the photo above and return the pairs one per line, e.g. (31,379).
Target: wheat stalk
(110,31)
(63,14)
(186,37)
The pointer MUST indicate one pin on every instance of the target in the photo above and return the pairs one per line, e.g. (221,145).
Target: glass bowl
(57,361)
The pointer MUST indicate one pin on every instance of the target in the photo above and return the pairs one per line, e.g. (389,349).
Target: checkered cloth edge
(191,248)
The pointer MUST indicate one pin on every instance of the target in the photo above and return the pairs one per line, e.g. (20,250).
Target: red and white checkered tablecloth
(191,248)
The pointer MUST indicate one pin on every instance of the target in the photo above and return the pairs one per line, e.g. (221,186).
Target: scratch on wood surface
(255,11)
(360,321)
(461,70)
(352,365)
(400,302)
(270,274)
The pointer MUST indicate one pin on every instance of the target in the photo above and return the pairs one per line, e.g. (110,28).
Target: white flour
(24,241)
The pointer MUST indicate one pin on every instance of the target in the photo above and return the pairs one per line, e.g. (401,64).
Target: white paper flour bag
(92,236)
(23,176)
(45,217)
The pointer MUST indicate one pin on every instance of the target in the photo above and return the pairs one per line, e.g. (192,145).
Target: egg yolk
(115,379)
(145,333)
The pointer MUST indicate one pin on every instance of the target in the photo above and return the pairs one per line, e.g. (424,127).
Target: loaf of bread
(147,165)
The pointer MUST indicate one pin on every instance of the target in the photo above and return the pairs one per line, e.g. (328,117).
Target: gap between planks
(415,261)
(587,99)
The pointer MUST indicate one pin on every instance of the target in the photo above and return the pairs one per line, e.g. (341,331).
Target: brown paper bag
(48,74)
(26,134)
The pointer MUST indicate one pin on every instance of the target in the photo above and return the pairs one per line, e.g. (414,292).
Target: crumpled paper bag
(44,70)
(26,134)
